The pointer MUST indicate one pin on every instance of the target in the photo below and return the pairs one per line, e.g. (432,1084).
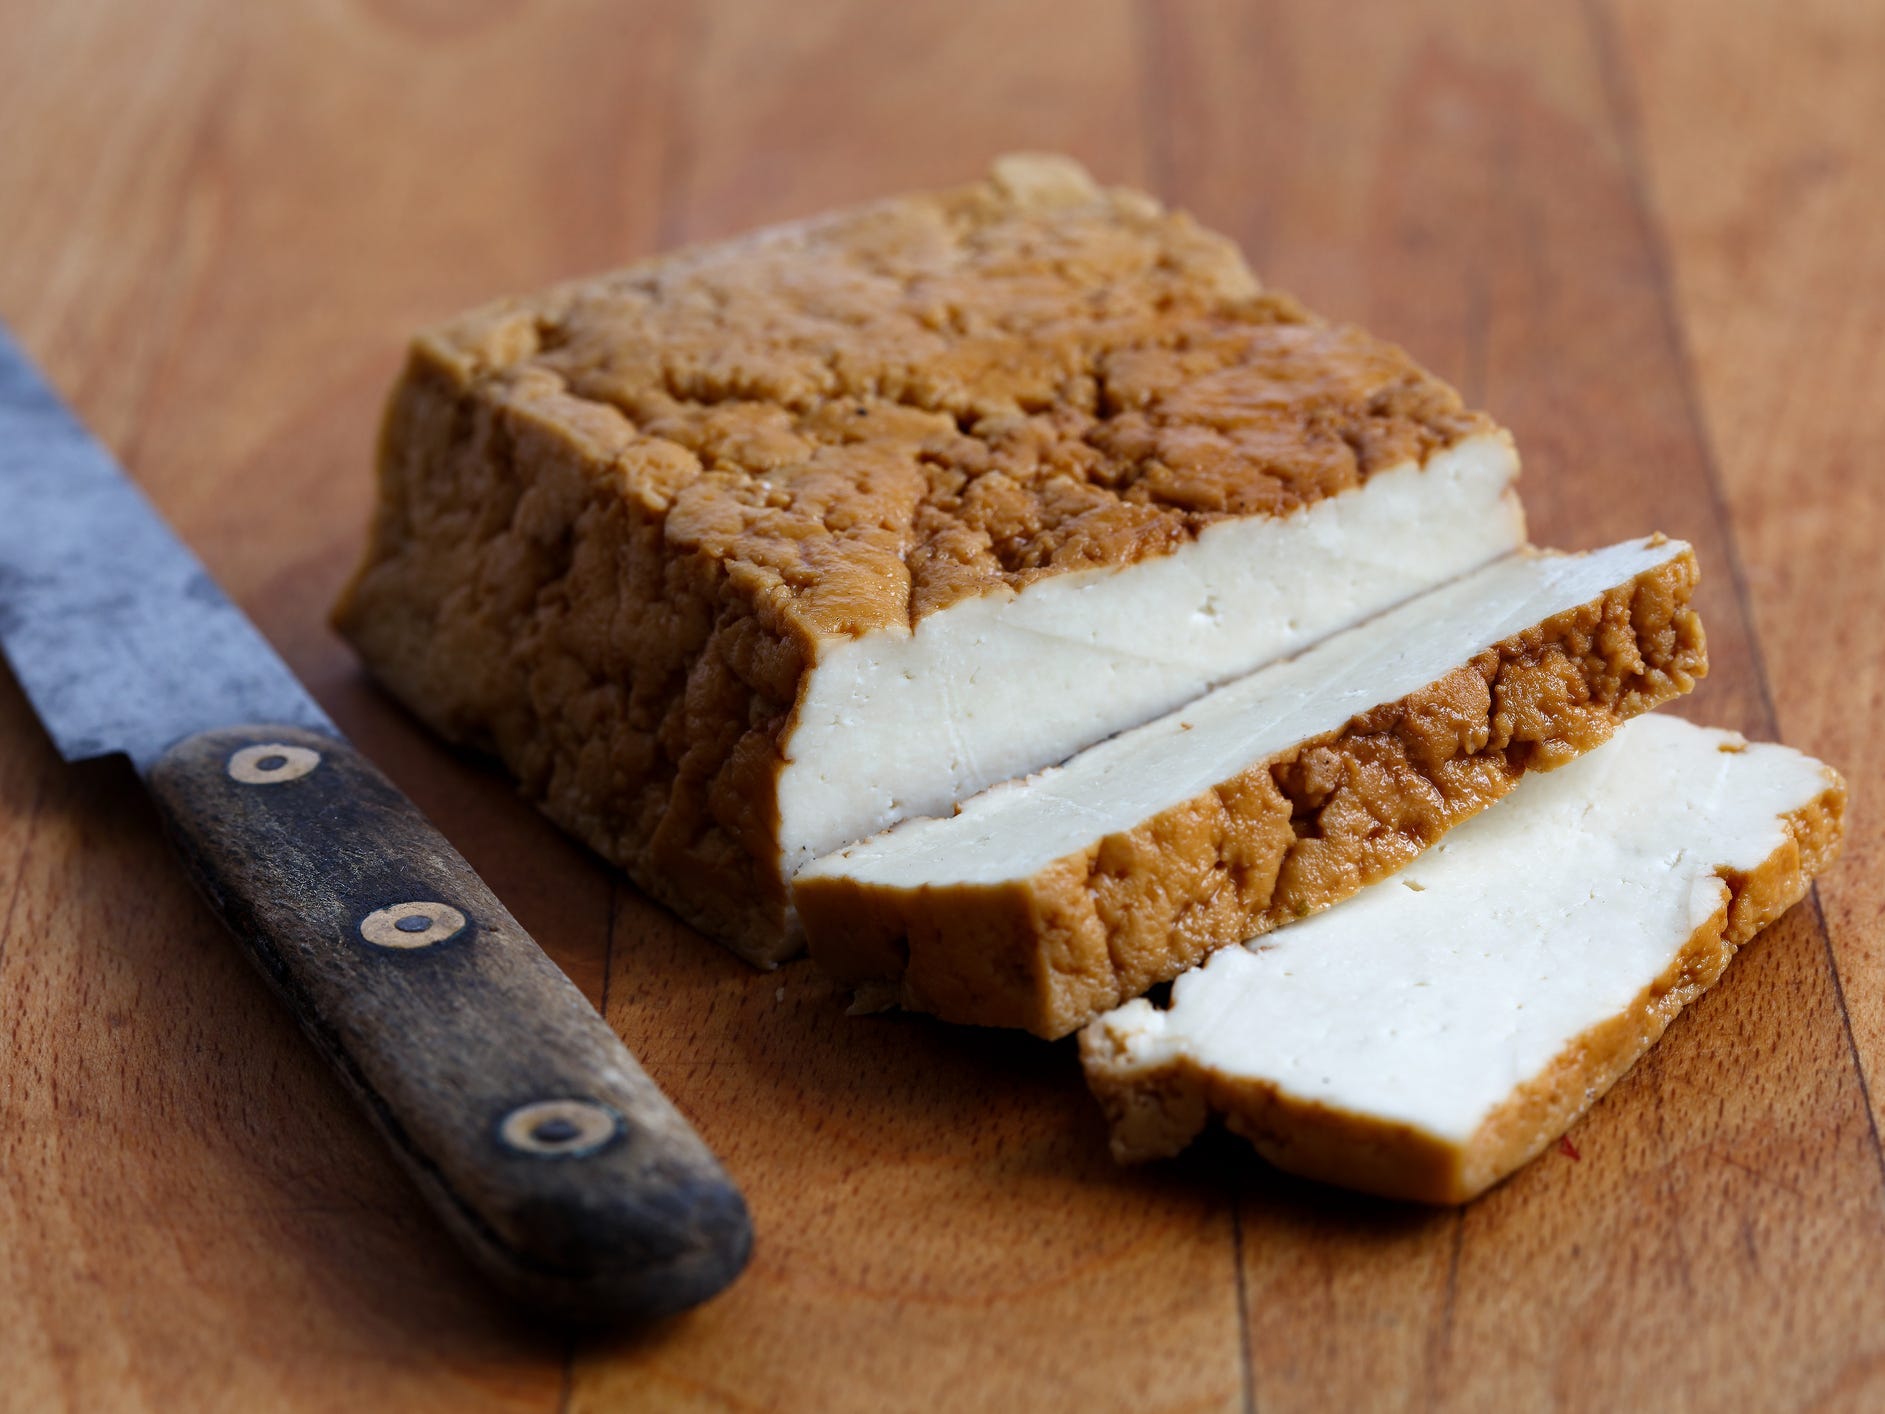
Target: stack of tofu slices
(1000,592)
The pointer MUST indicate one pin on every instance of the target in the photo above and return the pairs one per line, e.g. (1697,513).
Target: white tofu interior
(1427,999)
(1020,827)
(896,725)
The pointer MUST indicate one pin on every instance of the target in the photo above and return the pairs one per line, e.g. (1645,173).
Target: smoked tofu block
(1045,901)
(747,552)
(1434,1033)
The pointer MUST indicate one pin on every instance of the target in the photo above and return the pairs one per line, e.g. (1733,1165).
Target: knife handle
(531,1130)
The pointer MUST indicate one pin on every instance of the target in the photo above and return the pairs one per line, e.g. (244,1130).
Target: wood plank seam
(30,832)
(1625,120)
(1154,83)
(1655,243)
(567,1390)
(1845,1015)
(180,306)
(677,147)
(1443,1331)
(1249,1370)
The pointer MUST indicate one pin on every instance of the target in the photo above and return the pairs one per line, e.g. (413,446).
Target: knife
(545,1148)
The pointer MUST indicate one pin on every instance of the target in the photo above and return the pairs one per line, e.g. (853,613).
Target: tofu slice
(1044,901)
(753,549)
(1434,1033)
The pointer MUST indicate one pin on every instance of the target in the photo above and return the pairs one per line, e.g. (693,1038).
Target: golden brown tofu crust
(1156,1113)
(1285,838)
(618,519)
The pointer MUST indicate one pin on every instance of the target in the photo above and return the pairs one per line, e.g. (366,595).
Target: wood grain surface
(1643,232)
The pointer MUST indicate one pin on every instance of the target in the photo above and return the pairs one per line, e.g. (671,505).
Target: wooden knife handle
(532,1131)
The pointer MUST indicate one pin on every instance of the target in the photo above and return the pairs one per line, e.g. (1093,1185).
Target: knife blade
(520,1115)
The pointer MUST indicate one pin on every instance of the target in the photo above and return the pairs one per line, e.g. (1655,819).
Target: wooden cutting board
(1644,234)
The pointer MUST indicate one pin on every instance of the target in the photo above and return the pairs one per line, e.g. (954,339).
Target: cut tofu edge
(1044,901)
(740,553)
(1431,1035)
(898,725)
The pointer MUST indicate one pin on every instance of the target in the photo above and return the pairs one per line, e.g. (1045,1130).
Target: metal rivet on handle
(272,763)
(412,925)
(559,1128)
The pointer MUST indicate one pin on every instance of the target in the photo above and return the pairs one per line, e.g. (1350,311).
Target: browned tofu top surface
(871,415)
